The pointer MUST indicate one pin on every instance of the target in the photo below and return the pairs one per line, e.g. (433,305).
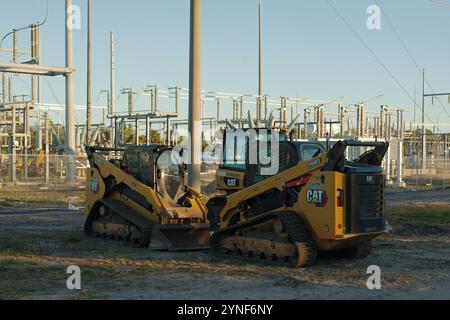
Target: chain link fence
(40,182)
(435,174)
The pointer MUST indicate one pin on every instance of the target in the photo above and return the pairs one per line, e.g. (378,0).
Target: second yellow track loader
(140,198)
(318,201)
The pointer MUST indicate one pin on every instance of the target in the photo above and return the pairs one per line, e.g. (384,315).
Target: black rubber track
(296,229)
(128,214)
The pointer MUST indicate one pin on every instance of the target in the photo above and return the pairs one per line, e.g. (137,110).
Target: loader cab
(155,167)
(248,157)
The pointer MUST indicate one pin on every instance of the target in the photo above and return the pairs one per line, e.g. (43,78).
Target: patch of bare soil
(37,247)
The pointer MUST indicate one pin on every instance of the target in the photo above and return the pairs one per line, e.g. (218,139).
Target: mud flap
(183,237)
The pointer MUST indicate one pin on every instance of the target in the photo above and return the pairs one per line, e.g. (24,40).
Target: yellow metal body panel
(235,200)
(162,212)
(326,221)
(323,219)
(223,174)
(95,188)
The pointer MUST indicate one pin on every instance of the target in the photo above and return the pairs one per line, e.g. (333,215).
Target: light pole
(89,76)
(70,96)
(195,97)
(424,134)
(112,88)
(260,65)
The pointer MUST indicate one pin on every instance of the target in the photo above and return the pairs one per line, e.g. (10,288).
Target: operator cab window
(236,153)
(137,163)
(310,151)
(236,149)
(144,167)
(132,163)
(170,181)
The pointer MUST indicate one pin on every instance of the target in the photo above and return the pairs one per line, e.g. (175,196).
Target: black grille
(370,204)
(365,202)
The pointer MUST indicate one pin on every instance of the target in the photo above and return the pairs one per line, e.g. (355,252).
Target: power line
(411,57)
(52,91)
(39,24)
(372,53)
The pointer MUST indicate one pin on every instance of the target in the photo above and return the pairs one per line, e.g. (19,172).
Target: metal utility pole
(12,147)
(266,106)
(217,110)
(47,148)
(241,108)
(112,92)
(130,101)
(382,122)
(15,44)
(305,123)
(400,133)
(177,100)
(37,57)
(260,64)
(4,88)
(433,96)
(89,76)
(424,135)
(130,93)
(70,96)
(342,111)
(10,89)
(195,96)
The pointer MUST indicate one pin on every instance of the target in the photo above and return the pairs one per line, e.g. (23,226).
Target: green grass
(416,218)
(11,246)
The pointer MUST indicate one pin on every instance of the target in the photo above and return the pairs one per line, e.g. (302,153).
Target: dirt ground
(36,247)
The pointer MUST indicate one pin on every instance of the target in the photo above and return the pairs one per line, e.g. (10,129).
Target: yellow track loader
(137,195)
(317,202)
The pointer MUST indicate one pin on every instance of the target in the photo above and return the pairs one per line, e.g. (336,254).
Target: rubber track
(126,213)
(299,233)
(296,229)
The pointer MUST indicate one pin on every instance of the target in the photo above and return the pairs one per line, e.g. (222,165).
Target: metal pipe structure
(424,134)
(113,87)
(47,148)
(148,131)
(10,89)
(177,100)
(89,75)
(33,69)
(12,147)
(241,108)
(217,109)
(341,120)
(260,64)
(266,105)
(70,96)
(382,122)
(15,44)
(4,88)
(39,114)
(400,148)
(305,122)
(130,101)
(195,96)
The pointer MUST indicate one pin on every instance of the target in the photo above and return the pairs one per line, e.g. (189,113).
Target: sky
(308,50)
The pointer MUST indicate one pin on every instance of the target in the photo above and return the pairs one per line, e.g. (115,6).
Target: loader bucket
(180,237)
